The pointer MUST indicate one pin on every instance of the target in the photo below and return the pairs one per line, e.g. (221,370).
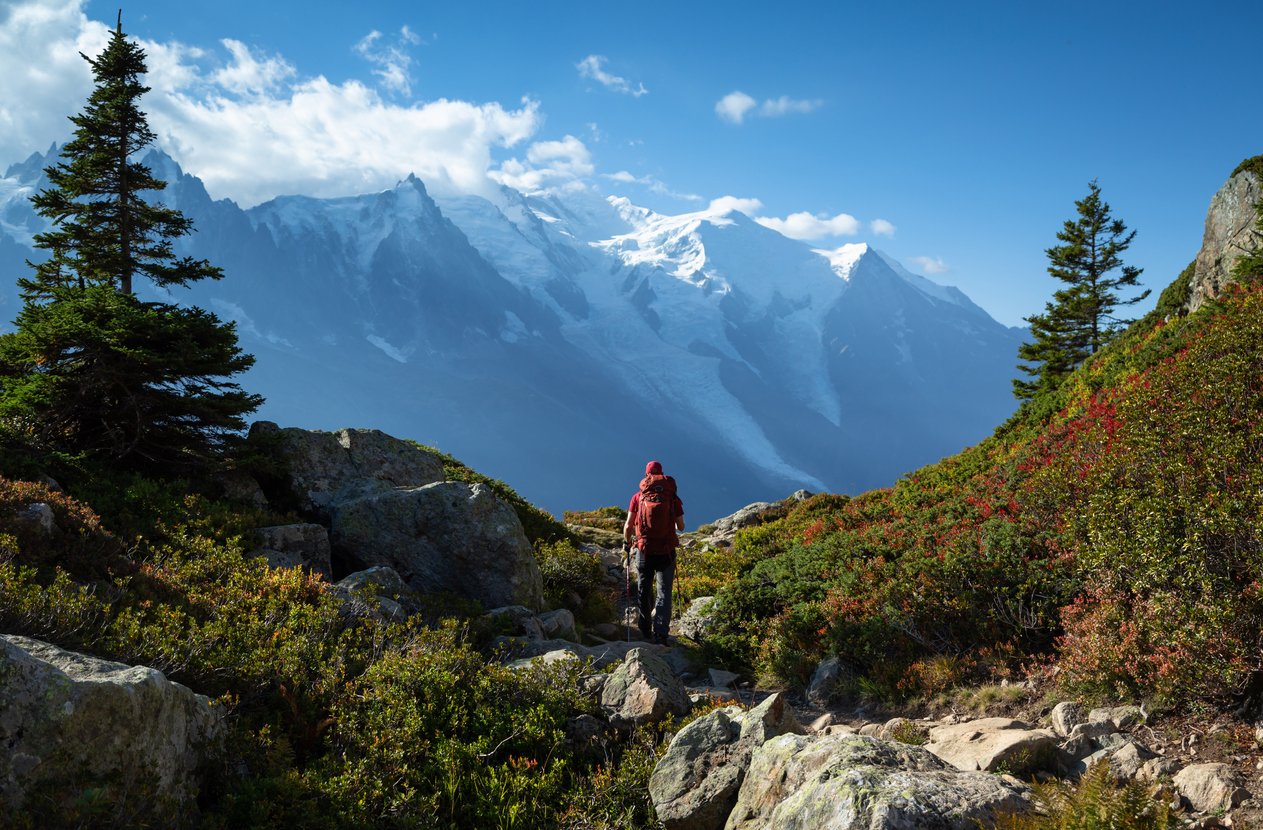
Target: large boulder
(324,468)
(1211,788)
(77,724)
(643,690)
(443,537)
(995,744)
(845,782)
(1230,232)
(694,785)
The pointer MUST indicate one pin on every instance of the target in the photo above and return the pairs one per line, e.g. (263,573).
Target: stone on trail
(643,690)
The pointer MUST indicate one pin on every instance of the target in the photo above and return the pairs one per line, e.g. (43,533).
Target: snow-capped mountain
(558,341)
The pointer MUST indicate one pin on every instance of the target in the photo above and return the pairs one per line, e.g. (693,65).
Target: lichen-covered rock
(324,468)
(444,537)
(519,620)
(848,782)
(694,785)
(295,545)
(992,744)
(1230,232)
(80,723)
(643,690)
(1211,788)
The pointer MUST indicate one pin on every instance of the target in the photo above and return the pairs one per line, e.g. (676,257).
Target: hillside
(1109,531)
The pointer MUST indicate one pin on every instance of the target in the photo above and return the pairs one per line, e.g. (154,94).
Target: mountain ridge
(505,330)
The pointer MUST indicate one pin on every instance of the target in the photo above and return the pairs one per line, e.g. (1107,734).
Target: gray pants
(655,571)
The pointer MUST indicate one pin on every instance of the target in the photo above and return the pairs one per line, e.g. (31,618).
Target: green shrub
(568,570)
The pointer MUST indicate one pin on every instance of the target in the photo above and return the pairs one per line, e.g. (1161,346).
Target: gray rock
(548,658)
(1066,716)
(602,655)
(643,690)
(445,537)
(845,782)
(1211,788)
(1093,731)
(377,592)
(1156,769)
(801,495)
(77,722)
(380,580)
(558,625)
(828,681)
(722,679)
(295,545)
(1229,234)
(695,783)
(41,516)
(1127,761)
(698,619)
(325,468)
(992,744)
(1122,718)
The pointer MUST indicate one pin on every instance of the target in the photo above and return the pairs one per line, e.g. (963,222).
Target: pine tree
(1079,321)
(92,370)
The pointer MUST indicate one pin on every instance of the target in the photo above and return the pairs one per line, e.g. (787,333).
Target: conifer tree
(1079,320)
(92,370)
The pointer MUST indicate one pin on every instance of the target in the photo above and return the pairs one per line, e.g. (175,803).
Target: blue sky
(956,137)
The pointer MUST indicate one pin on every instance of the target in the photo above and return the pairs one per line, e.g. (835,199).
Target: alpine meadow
(323,392)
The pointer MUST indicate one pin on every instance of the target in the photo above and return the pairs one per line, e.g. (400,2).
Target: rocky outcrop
(694,786)
(386,504)
(72,721)
(643,690)
(829,681)
(324,468)
(1230,232)
(443,537)
(840,782)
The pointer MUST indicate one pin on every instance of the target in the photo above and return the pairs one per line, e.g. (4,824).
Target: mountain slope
(1113,526)
(560,340)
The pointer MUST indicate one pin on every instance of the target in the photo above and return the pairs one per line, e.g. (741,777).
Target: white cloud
(244,122)
(930,265)
(880,227)
(776,107)
(654,185)
(727,204)
(549,164)
(247,74)
(805,225)
(44,78)
(593,66)
(391,59)
(736,106)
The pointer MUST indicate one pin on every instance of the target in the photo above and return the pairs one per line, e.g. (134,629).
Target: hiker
(654,516)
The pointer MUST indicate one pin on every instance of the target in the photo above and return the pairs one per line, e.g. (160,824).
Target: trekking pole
(627,589)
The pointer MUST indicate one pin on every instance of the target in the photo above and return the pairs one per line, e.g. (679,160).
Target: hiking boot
(646,633)
(663,640)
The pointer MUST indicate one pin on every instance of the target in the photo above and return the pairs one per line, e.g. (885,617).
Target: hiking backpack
(655,516)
